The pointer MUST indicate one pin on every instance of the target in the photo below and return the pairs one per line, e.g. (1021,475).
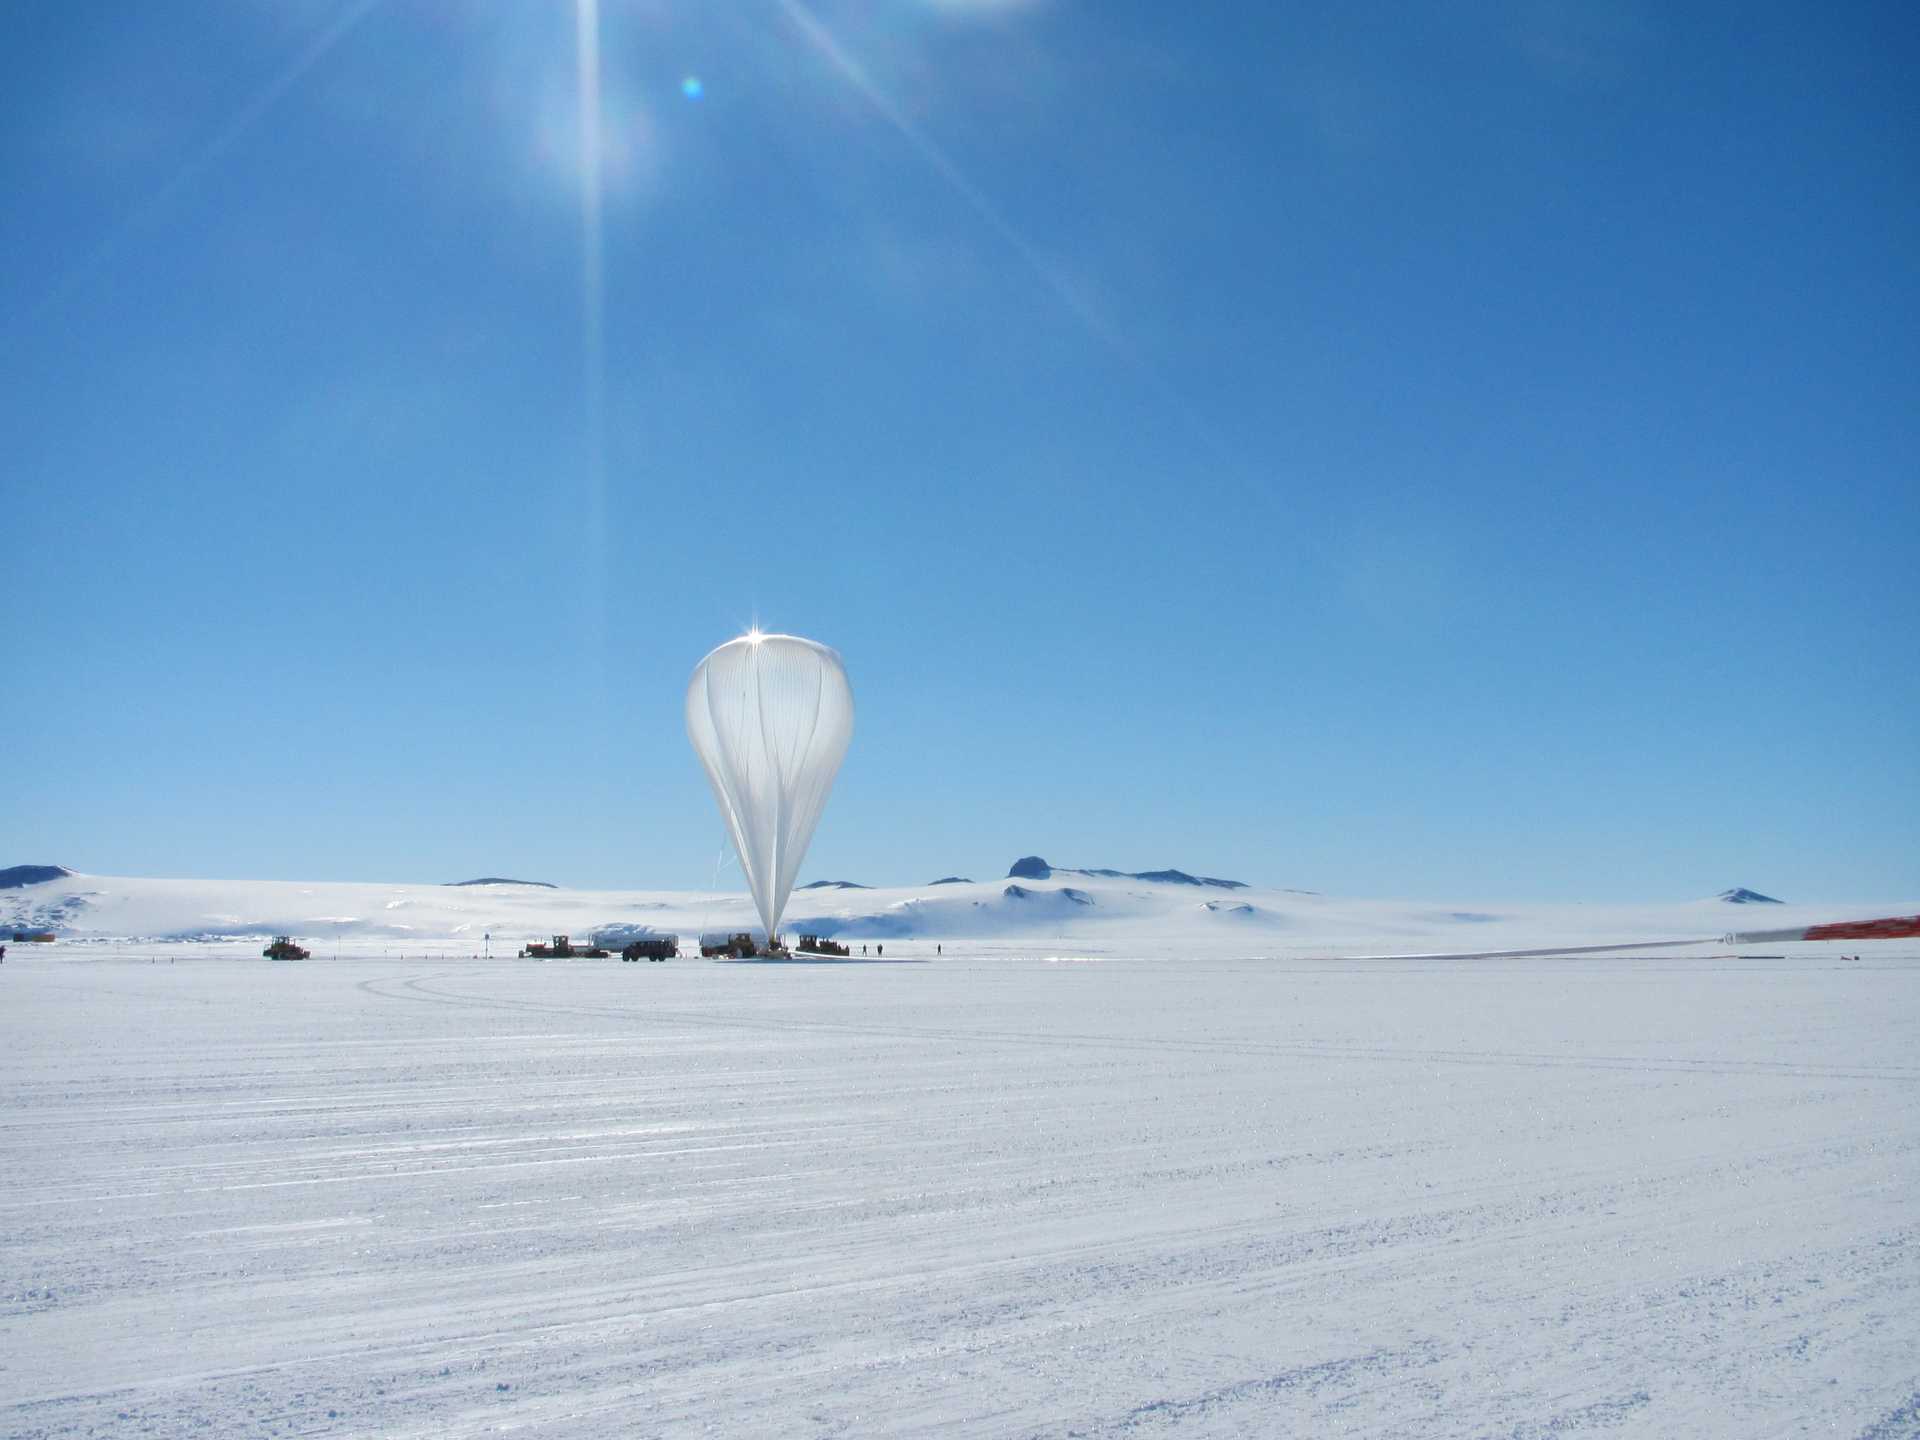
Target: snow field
(996,1194)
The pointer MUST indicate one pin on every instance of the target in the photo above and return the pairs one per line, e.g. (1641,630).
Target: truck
(653,947)
(283,948)
(815,945)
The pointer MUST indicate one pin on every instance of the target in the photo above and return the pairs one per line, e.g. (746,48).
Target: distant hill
(500,880)
(16,876)
(835,885)
(43,910)
(1744,896)
(1032,867)
(951,880)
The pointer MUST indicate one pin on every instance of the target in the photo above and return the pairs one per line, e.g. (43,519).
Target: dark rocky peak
(18,876)
(1032,867)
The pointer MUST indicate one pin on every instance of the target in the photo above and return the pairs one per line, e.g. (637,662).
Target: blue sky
(1470,451)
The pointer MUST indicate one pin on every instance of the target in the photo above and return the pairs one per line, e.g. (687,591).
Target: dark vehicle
(740,945)
(654,947)
(561,947)
(283,948)
(814,945)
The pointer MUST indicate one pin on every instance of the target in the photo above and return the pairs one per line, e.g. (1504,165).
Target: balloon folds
(770,717)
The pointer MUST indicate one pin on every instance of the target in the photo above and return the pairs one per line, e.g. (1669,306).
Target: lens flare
(593,318)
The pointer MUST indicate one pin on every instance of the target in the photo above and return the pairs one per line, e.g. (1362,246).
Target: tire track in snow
(1298,1049)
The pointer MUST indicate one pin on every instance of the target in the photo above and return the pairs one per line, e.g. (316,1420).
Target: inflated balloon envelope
(770,717)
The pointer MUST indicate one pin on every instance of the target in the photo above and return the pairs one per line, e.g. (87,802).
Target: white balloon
(770,717)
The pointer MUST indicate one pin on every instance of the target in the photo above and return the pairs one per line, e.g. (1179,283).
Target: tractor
(740,945)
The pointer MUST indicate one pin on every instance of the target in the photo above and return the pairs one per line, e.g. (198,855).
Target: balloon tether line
(719,860)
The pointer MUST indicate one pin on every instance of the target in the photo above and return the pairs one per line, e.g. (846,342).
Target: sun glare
(592,308)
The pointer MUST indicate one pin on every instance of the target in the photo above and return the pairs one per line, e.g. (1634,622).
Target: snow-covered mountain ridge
(1032,867)
(1107,910)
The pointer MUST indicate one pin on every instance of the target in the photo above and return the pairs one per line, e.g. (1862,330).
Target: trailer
(561,947)
(815,945)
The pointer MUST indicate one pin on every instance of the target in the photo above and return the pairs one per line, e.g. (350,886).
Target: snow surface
(1112,1187)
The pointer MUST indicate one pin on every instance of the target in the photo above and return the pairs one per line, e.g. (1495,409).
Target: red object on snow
(1899,927)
